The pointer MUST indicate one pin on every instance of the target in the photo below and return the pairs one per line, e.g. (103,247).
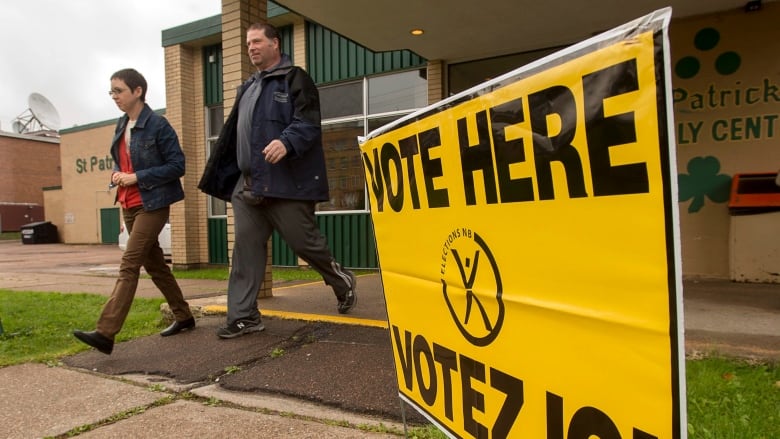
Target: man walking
(270,164)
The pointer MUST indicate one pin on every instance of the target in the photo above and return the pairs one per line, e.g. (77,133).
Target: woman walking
(148,163)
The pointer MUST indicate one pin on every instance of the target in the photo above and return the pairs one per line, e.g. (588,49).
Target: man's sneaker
(238,328)
(350,299)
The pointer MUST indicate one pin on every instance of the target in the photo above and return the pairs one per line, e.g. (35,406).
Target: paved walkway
(331,375)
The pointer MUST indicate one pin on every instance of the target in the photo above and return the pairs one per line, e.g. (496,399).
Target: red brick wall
(27,166)
(14,216)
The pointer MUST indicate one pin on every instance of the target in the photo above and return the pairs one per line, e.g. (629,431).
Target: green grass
(279,273)
(727,398)
(214,273)
(38,327)
(732,399)
(10,236)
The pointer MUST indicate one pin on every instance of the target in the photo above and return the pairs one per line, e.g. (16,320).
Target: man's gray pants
(296,223)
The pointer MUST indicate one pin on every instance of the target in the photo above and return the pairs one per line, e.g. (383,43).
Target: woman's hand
(124,179)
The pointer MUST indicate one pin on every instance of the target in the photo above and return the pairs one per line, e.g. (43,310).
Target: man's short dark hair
(269,30)
(133,79)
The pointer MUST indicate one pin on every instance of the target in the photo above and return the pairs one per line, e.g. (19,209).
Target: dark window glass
(341,100)
(376,122)
(463,76)
(399,91)
(215,119)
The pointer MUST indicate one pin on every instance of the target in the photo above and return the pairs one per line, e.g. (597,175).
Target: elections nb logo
(471,284)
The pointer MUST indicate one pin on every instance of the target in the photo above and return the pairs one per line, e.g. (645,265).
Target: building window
(400,91)
(215,118)
(465,75)
(340,143)
(353,109)
(341,100)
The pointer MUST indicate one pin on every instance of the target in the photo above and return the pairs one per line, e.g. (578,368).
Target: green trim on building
(286,41)
(332,57)
(274,10)
(212,75)
(207,27)
(102,123)
(196,30)
(88,126)
(350,238)
(218,239)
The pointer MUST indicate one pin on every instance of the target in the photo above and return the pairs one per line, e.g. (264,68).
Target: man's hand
(274,151)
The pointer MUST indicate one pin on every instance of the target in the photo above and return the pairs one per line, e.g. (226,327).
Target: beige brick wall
(299,43)
(186,113)
(86,173)
(435,81)
(237,15)
(54,201)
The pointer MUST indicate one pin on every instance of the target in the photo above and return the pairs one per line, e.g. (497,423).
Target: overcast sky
(66,50)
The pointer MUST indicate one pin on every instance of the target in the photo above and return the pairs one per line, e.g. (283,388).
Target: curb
(217,310)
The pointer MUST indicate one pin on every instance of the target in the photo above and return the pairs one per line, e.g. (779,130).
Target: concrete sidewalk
(311,373)
(196,385)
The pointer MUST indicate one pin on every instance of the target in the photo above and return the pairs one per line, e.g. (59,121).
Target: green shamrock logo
(707,39)
(703,180)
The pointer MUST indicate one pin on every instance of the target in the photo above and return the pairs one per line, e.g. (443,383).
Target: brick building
(28,164)
(364,84)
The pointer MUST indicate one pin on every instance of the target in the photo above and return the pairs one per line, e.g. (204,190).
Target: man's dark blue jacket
(287,109)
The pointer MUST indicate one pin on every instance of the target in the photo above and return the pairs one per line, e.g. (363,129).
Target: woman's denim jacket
(157,158)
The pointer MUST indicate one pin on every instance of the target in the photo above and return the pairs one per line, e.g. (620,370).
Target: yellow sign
(527,239)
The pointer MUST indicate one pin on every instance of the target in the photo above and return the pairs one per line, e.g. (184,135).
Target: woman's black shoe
(96,340)
(177,327)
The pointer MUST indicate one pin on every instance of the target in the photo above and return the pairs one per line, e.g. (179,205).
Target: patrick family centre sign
(526,232)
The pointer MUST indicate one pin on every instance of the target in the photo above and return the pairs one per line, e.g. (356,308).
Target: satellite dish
(44,111)
(40,118)
(17,126)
